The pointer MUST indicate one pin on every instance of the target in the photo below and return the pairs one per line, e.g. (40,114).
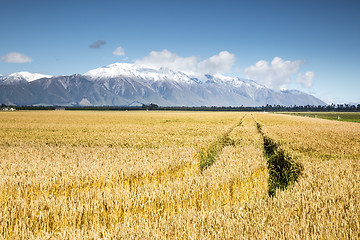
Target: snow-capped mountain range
(21,77)
(124,83)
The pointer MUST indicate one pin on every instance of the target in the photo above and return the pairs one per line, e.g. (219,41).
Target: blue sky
(313,46)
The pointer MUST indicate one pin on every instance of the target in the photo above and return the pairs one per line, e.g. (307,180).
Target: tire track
(283,170)
(208,155)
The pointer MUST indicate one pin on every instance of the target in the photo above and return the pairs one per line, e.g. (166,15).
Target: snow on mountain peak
(112,71)
(28,76)
(129,70)
(147,73)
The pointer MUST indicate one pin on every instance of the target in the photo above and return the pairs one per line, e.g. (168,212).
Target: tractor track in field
(283,170)
(208,155)
(205,159)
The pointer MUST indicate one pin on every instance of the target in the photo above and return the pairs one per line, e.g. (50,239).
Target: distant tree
(151,106)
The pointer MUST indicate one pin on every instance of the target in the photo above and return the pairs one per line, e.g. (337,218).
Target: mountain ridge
(124,83)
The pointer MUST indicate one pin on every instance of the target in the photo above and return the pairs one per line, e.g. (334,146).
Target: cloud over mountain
(119,51)
(306,80)
(170,60)
(278,73)
(219,63)
(16,57)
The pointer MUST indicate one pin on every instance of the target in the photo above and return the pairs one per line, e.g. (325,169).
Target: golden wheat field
(177,175)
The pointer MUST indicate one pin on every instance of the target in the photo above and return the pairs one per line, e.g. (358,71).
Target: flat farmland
(339,116)
(177,175)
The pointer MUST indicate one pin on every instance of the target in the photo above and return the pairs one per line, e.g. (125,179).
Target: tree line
(152,106)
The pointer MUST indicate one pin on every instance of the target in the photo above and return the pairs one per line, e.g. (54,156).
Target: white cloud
(119,51)
(223,62)
(170,60)
(15,57)
(306,80)
(276,75)
(220,63)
